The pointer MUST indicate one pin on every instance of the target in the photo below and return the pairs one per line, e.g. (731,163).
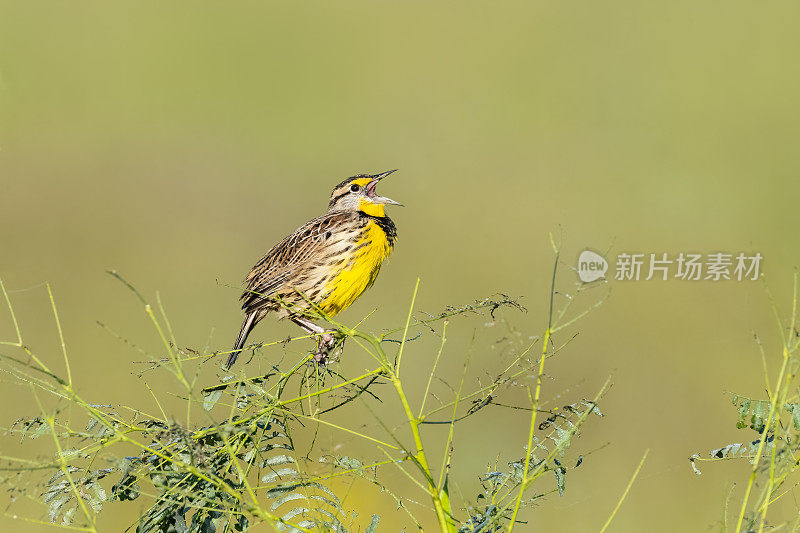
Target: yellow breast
(359,271)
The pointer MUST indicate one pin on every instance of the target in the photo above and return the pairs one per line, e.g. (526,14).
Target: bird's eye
(355,188)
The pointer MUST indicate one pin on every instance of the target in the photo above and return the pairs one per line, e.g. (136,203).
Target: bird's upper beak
(371,190)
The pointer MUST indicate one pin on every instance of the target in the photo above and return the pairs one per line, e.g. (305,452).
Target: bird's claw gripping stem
(327,341)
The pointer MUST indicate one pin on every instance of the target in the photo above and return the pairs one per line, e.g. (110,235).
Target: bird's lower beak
(371,190)
(383,200)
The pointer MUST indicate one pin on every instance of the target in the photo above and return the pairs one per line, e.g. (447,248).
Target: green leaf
(241,524)
(211,399)
(373,524)
(794,409)
(69,516)
(561,478)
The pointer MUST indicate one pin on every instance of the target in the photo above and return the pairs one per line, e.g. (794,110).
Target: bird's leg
(310,327)
(327,339)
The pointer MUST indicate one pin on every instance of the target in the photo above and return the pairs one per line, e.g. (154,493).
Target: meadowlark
(325,265)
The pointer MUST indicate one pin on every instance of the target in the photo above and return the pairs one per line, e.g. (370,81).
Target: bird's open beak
(371,190)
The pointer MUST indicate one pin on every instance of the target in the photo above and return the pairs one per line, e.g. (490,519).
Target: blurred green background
(176,142)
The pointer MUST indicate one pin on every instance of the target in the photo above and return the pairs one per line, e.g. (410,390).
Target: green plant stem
(445,515)
(433,370)
(444,512)
(534,412)
(762,441)
(13,318)
(62,463)
(405,330)
(625,492)
(60,335)
(781,394)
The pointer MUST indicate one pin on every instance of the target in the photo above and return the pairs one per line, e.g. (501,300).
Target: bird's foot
(328,341)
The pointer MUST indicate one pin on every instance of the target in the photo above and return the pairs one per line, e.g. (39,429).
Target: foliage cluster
(773,451)
(232,459)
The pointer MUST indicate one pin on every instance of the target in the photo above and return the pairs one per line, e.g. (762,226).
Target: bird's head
(358,194)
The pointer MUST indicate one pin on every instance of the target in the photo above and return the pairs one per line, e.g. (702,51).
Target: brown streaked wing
(287,258)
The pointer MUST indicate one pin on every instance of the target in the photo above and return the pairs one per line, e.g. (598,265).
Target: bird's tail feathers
(247,326)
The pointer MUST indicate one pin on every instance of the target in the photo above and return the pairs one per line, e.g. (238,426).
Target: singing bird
(326,263)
